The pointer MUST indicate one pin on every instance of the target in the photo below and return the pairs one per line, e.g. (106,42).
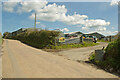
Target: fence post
(81,39)
(110,38)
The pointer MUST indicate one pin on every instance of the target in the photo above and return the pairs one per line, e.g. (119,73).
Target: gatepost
(81,39)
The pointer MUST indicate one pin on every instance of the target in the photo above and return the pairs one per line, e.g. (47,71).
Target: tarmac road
(81,54)
(22,61)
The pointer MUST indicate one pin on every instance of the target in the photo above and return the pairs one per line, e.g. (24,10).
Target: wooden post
(35,20)
(110,38)
(81,39)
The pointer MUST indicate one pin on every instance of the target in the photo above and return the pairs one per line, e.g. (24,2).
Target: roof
(98,35)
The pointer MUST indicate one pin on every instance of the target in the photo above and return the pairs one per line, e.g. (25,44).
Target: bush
(5,34)
(112,55)
(38,39)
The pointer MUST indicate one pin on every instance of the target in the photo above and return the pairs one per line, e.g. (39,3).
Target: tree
(5,34)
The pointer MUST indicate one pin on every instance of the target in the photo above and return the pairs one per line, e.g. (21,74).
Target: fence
(76,41)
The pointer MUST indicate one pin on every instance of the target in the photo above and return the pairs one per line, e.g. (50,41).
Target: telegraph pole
(35,20)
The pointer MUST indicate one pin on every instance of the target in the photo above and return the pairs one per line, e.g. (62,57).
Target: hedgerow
(38,39)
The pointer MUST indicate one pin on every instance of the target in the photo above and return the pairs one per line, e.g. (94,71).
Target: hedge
(38,39)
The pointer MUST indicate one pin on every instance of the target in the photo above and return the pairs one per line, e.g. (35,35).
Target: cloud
(75,19)
(109,32)
(98,29)
(9,6)
(106,33)
(114,2)
(101,29)
(0,4)
(54,12)
(51,12)
(113,27)
(65,29)
(37,22)
(85,28)
(95,23)
(31,6)
(23,5)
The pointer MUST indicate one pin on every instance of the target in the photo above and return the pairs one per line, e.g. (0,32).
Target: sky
(86,17)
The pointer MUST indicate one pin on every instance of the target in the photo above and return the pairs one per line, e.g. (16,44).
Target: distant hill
(98,35)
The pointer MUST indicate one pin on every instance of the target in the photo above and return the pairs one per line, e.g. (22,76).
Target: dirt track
(22,61)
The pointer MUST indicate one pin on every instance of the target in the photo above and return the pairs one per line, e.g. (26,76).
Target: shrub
(5,34)
(112,55)
(38,39)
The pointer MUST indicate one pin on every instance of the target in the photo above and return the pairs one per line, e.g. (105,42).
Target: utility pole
(35,20)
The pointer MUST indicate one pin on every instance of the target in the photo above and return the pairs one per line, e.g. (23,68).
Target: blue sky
(12,21)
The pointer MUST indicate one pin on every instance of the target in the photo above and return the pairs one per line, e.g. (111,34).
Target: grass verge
(102,40)
(0,40)
(57,48)
(111,62)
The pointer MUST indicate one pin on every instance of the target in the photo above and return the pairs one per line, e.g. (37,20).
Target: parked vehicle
(94,38)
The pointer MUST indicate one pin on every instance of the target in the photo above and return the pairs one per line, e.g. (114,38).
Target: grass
(0,40)
(111,60)
(92,57)
(102,40)
(68,46)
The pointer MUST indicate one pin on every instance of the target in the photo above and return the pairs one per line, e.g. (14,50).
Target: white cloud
(42,25)
(114,2)
(51,12)
(109,32)
(31,6)
(85,28)
(65,29)
(9,6)
(24,5)
(0,4)
(54,12)
(113,27)
(96,23)
(37,22)
(75,19)
(101,29)
(106,33)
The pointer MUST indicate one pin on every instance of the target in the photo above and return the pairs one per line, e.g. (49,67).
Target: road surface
(22,61)
(81,54)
